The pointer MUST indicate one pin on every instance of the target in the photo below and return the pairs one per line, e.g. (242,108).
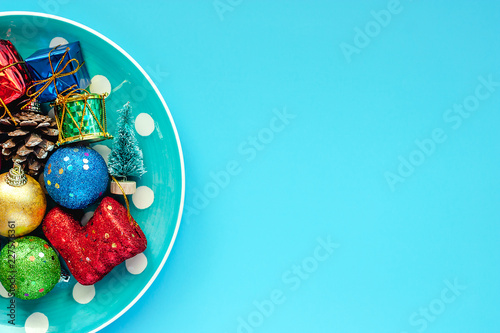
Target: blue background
(225,72)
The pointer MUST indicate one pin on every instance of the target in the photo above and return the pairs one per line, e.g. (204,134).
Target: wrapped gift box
(68,70)
(14,77)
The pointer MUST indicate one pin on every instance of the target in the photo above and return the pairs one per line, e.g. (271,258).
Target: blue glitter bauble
(76,177)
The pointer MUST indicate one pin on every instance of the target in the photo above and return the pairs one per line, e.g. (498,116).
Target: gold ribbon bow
(56,74)
(2,103)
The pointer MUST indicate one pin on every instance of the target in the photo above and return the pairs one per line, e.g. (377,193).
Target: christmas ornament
(22,203)
(32,106)
(57,71)
(110,237)
(27,138)
(14,77)
(81,117)
(125,159)
(29,268)
(75,177)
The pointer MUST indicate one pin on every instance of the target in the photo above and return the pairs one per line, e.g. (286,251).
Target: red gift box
(14,77)
(92,251)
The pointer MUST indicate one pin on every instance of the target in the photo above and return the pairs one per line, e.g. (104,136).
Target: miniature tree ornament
(126,158)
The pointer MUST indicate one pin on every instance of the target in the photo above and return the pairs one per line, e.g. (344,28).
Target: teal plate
(157,204)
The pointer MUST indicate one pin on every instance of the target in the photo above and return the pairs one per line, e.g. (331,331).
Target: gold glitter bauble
(22,203)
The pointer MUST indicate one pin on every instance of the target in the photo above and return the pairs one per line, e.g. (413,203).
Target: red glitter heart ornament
(92,251)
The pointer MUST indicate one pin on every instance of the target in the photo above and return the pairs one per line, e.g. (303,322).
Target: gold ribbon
(2,103)
(74,94)
(125,196)
(56,74)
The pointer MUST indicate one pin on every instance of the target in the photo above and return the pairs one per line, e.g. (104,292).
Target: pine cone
(30,141)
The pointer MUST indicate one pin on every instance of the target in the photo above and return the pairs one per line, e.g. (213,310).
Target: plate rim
(179,147)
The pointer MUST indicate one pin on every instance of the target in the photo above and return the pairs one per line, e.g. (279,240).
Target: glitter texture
(75,184)
(24,205)
(32,275)
(107,240)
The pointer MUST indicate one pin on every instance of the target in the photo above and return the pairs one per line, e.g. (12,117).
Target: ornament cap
(32,106)
(16,176)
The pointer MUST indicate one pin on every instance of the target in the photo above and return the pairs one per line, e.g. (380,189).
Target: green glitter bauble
(29,267)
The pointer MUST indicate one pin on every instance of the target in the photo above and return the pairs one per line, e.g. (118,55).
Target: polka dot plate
(156,205)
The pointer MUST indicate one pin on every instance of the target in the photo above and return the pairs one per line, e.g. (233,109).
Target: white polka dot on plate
(57,41)
(86,217)
(103,151)
(137,264)
(100,84)
(144,124)
(143,197)
(36,323)
(4,293)
(83,294)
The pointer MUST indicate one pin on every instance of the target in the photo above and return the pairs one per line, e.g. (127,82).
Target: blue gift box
(61,57)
